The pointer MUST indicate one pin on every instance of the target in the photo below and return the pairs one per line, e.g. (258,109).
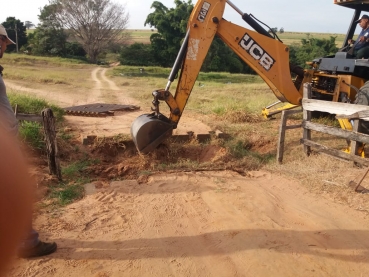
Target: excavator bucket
(149,130)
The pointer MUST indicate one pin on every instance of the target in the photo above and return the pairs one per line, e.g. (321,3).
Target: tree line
(88,29)
(171,24)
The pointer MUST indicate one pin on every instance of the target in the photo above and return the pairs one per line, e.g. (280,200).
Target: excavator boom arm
(265,55)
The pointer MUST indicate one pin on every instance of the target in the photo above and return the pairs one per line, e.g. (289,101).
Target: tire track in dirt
(107,91)
(95,79)
(111,84)
(101,90)
(95,94)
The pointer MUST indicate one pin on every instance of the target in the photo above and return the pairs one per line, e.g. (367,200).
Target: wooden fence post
(48,122)
(282,132)
(354,145)
(307,117)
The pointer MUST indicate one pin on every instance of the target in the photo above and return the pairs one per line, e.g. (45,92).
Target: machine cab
(343,62)
(359,7)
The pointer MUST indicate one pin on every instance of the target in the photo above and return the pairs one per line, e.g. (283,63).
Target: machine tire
(362,98)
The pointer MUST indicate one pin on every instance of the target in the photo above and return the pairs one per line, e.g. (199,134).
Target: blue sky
(293,15)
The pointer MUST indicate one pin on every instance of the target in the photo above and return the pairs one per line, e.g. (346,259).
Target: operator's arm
(362,38)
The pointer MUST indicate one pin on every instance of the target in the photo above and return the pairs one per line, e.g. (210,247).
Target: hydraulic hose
(178,62)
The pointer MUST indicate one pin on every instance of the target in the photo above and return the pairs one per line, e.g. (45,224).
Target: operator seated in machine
(360,47)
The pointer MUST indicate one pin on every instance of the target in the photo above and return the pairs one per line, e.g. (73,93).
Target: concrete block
(180,138)
(203,137)
(88,140)
(219,134)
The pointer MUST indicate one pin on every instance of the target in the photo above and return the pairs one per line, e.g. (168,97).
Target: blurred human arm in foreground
(30,245)
(15,199)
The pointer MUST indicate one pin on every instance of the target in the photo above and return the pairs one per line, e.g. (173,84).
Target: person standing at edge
(30,246)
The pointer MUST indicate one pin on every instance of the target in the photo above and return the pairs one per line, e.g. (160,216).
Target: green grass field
(288,38)
(143,36)
(140,36)
(295,37)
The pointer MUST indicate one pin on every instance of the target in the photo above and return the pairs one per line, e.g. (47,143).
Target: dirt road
(204,224)
(103,90)
(201,224)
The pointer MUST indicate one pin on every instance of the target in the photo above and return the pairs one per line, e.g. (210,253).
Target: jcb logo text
(203,12)
(258,53)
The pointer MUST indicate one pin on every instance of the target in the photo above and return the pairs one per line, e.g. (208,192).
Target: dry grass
(44,70)
(322,174)
(140,36)
(296,37)
(325,176)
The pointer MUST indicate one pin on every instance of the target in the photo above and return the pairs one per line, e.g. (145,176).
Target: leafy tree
(138,54)
(221,58)
(17,32)
(171,25)
(29,24)
(215,64)
(281,30)
(160,50)
(94,23)
(328,45)
(49,37)
(312,48)
(74,49)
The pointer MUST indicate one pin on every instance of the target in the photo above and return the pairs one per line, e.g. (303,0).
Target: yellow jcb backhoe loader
(333,78)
